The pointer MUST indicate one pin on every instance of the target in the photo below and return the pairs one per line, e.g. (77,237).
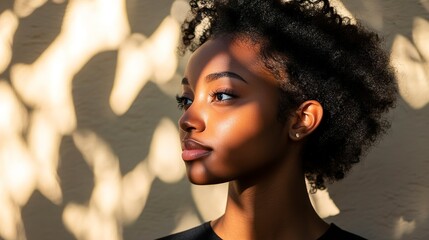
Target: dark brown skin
(231,132)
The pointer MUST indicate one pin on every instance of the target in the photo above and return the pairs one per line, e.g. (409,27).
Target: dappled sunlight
(98,220)
(43,143)
(425,4)
(323,203)
(24,8)
(11,227)
(373,14)
(87,223)
(411,60)
(133,71)
(187,220)
(135,190)
(17,170)
(164,50)
(8,26)
(13,117)
(141,59)
(179,10)
(210,195)
(89,27)
(403,227)
(165,151)
(118,200)
(342,10)
(41,132)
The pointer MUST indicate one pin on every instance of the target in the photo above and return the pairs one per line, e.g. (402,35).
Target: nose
(192,119)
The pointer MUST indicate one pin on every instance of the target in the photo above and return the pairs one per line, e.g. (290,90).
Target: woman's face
(230,128)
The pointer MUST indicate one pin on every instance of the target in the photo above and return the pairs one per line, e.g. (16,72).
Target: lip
(193,150)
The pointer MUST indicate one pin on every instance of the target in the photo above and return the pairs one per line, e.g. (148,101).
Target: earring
(297,135)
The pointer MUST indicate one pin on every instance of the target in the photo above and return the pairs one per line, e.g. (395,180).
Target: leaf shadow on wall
(386,195)
(147,23)
(129,137)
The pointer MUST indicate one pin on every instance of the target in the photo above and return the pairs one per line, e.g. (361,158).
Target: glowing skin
(230,132)
(230,127)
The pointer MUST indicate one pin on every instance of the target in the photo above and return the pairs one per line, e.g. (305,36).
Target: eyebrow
(217,75)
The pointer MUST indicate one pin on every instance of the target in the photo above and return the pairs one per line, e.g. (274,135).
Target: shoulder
(204,231)
(337,233)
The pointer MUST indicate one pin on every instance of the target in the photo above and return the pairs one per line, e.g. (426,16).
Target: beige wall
(88,137)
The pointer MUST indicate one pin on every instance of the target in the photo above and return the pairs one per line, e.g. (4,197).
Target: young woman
(275,92)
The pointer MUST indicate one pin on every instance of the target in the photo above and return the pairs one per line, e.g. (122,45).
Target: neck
(270,207)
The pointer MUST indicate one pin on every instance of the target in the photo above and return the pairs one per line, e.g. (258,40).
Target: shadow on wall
(387,196)
(88,139)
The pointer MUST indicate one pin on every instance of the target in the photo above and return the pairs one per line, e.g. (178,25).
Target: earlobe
(306,119)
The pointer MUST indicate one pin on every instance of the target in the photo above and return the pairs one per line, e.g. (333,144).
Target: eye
(183,102)
(222,95)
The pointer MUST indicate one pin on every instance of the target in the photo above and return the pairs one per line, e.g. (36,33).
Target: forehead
(239,54)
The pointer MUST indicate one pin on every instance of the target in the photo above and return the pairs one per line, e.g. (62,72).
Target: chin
(199,175)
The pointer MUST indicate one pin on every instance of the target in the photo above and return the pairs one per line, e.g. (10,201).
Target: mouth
(193,150)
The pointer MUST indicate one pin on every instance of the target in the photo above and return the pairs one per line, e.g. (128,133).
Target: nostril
(187,126)
(191,121)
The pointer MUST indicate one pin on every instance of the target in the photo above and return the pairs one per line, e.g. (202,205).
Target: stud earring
(297,135)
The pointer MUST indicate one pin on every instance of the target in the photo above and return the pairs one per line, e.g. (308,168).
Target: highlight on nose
(191,120)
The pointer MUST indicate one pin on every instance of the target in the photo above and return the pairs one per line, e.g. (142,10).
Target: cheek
(248,137)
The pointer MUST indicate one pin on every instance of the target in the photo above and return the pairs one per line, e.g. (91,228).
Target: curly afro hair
(316,54)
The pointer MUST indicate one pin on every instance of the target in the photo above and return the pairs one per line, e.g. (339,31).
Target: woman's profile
(276,92)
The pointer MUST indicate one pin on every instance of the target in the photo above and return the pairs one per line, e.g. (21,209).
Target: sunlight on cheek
(210,195)
(8,26)
(165,152)
(403,227)
(412,65)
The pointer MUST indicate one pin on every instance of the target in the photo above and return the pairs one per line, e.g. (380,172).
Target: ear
(305,119)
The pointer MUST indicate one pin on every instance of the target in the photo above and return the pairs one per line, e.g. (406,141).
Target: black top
(205,232)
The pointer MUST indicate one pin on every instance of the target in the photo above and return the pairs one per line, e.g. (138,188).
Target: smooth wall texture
(88,137)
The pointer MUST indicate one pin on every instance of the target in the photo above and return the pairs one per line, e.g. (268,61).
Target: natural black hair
(316,54)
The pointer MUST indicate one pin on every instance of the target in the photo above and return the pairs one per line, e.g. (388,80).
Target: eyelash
(218,92)
(181,100)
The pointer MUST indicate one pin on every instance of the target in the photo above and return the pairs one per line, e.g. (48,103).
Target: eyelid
(180,102)
(226,91)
